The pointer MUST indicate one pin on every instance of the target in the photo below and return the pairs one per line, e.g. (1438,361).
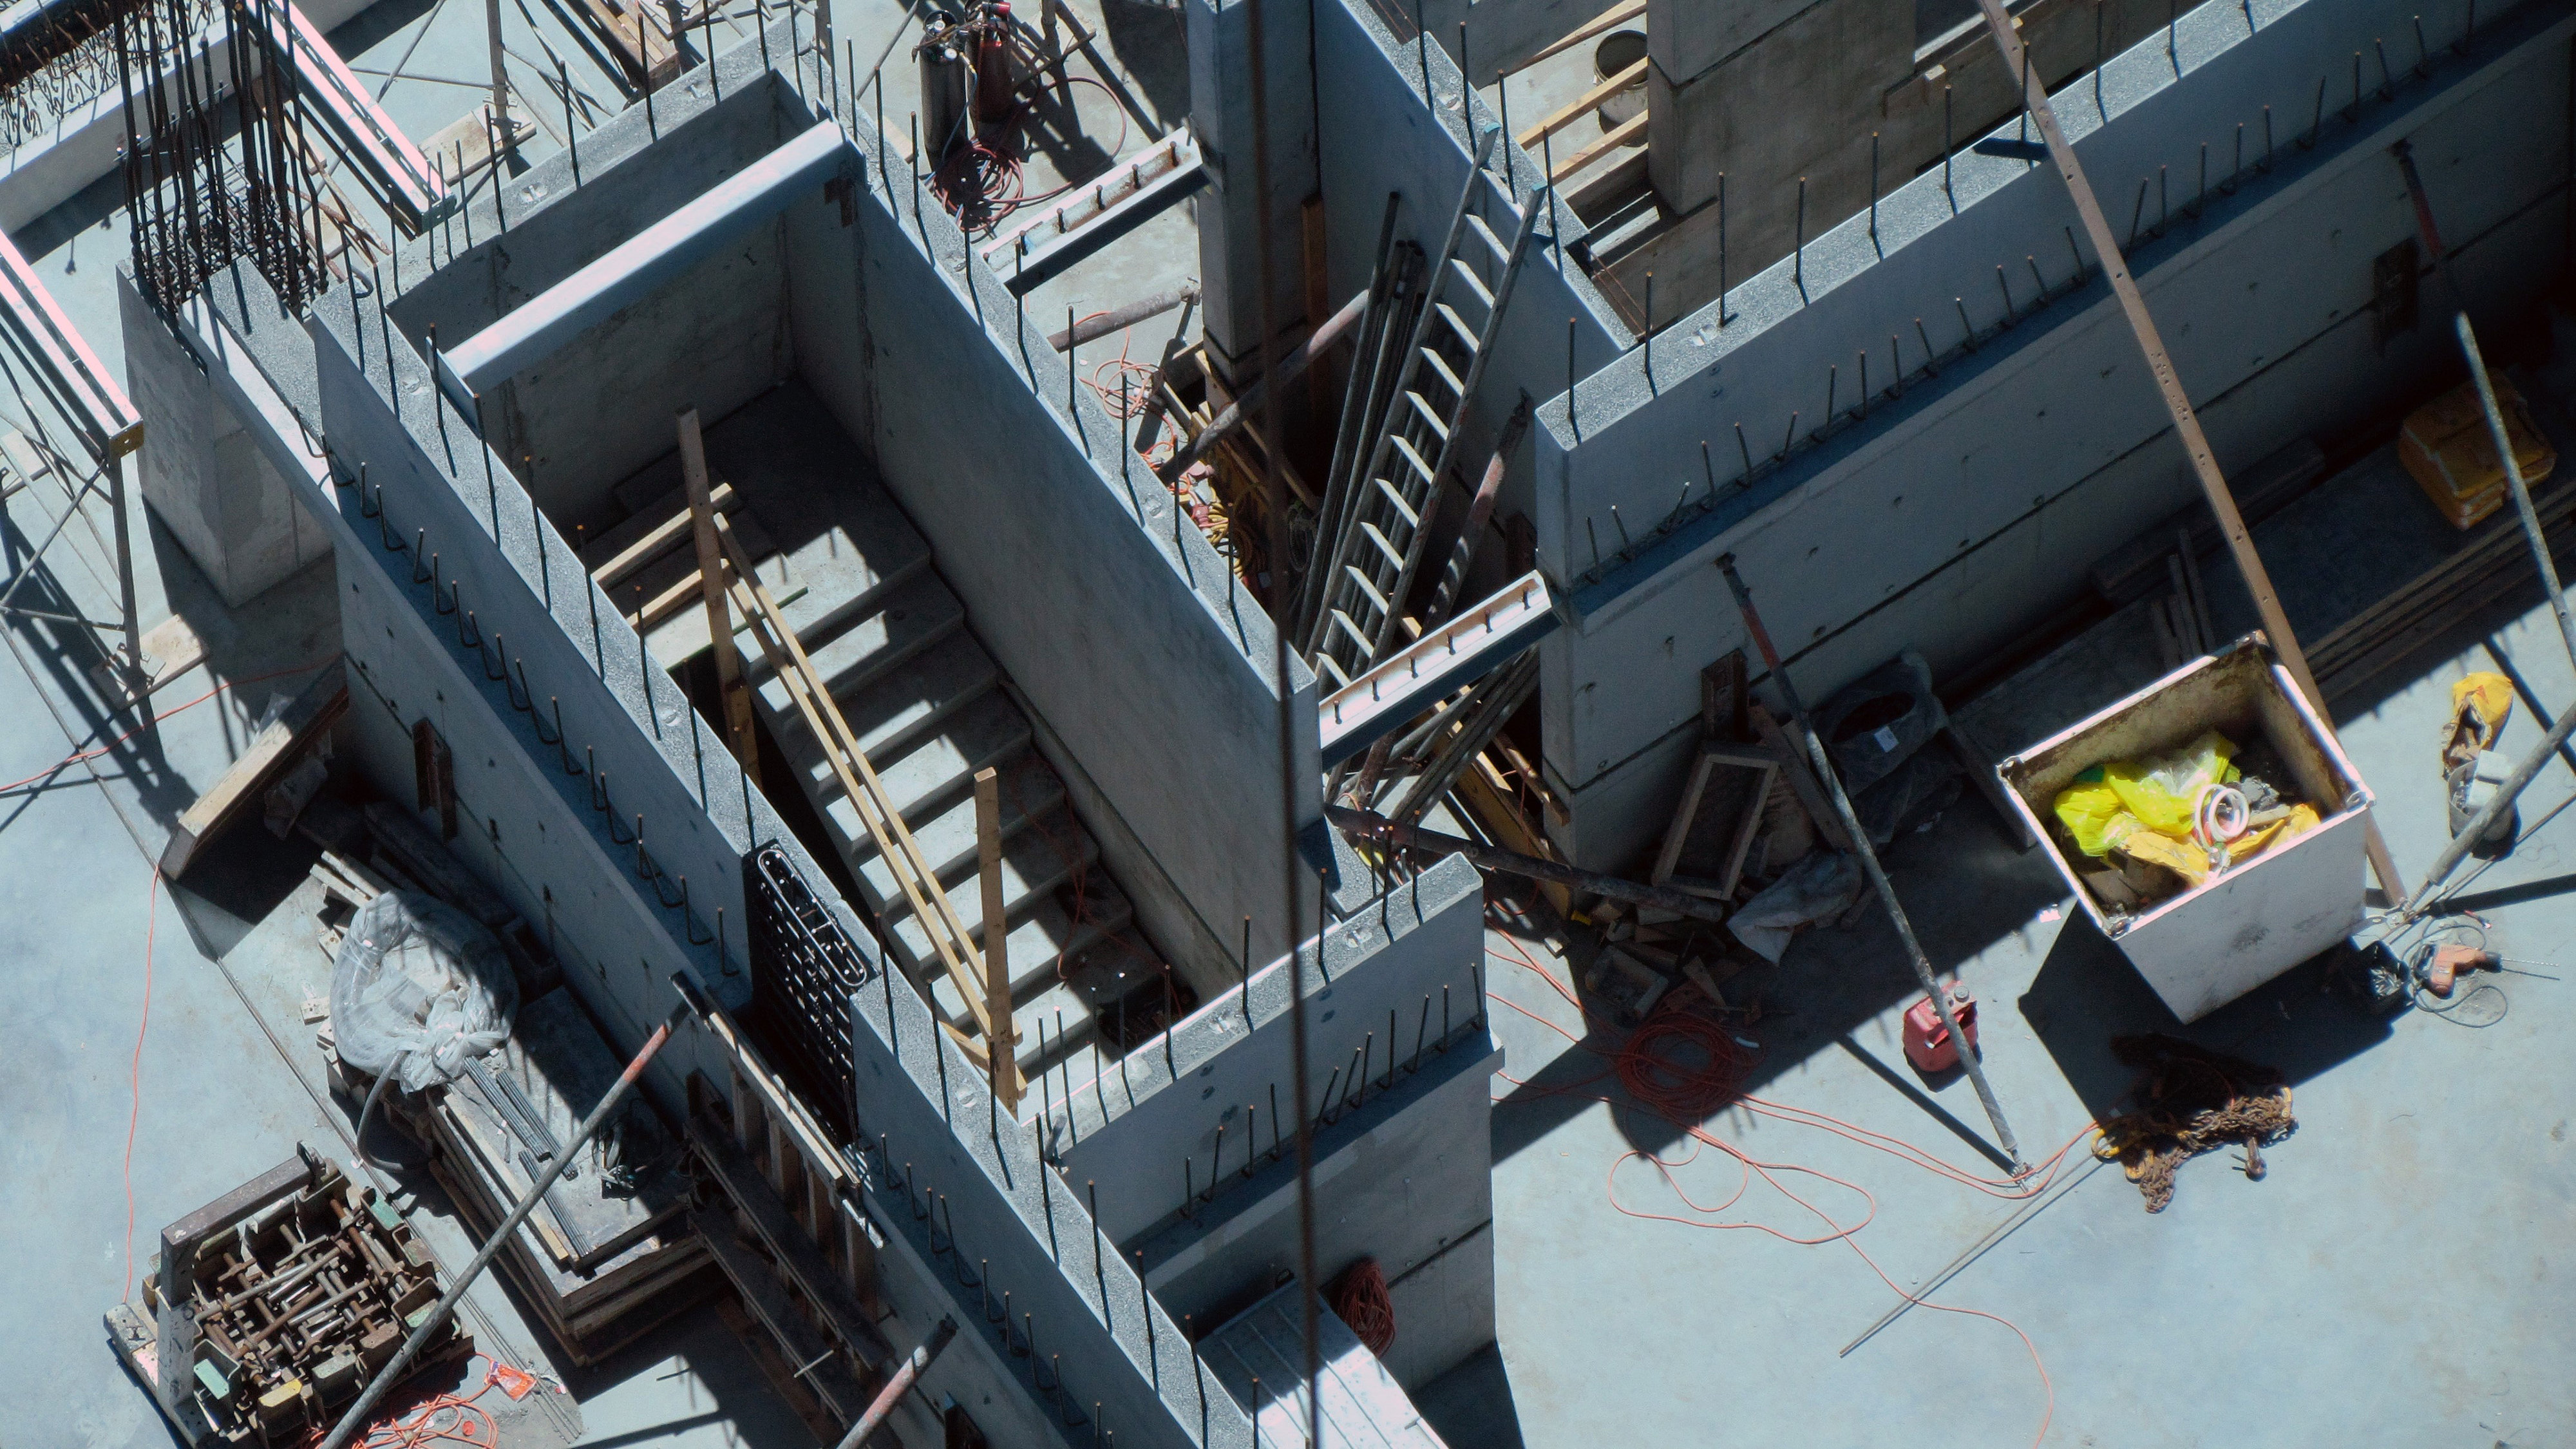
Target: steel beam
(383,158)
(1100,213)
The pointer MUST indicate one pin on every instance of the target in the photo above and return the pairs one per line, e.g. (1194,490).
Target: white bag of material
(418,990)
(1818,888)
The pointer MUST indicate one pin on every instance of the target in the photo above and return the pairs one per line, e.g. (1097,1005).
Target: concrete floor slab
(2413,1207)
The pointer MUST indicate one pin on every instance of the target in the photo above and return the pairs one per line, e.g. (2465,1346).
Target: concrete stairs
(929,708)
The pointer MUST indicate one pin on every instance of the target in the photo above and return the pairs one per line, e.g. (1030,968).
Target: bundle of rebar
(216,160)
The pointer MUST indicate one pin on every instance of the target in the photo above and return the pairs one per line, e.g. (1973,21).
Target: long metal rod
(400,1364)
(1833,782)
(1292,787)
(2494,810)
(2195,443)
(1290,368)
(901,1384)
(2497,433)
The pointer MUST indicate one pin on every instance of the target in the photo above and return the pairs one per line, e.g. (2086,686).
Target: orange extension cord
(152,911)
(1656,1065)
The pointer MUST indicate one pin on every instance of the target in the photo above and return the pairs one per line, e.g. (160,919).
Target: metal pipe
(2513,477)
(1290,368)
(400,1364)
(1378,827)
(901,1384)
(1124,317)
(1878,880)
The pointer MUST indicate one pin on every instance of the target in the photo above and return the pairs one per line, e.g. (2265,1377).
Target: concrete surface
(2416,1205)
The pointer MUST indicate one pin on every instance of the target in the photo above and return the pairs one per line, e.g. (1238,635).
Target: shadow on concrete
(1472,1403)
(1964,888)
(1150,44)
(2086,993)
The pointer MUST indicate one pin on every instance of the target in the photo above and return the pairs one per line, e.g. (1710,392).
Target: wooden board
(304,721)
(647,534)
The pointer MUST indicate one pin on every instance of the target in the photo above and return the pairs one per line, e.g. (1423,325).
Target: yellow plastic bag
(2162,790)
(2092,813)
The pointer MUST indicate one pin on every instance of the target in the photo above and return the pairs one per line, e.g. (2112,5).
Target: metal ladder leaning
(1377,545)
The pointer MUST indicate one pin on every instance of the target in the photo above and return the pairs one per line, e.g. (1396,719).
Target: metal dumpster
(2222,938)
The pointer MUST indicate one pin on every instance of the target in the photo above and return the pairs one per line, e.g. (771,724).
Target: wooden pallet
(2420,609)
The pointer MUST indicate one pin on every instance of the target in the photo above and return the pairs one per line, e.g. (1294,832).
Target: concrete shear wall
(1380,136)
(1116,620)
(1950,517)
(1402,1174)
(572,424)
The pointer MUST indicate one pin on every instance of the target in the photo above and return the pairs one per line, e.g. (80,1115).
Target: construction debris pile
(2173,821)
(2191,1100)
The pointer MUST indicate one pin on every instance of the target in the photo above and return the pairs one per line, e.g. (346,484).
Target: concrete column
(1768,91)
(1220,36)
(203,475)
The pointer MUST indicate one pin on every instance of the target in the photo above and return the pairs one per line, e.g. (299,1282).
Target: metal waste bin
(2217,940)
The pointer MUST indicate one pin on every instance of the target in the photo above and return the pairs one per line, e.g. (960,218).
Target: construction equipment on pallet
(433,1323)
(1370,552)
(611,1255)
(271,1305)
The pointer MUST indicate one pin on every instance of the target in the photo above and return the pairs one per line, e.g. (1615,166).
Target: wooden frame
(1686,817)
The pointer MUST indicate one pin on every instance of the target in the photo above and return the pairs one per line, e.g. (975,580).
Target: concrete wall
(1771,91)
(713,338)
(1379,136)
(1231,211)
(1501,34)
(1129,1130)
(1403,1174)
(624,721)
(205,479)
(1122,631)
(2039,450)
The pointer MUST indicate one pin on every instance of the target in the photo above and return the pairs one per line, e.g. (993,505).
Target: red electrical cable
(1685,1092)
(1360,1299)
(151,928)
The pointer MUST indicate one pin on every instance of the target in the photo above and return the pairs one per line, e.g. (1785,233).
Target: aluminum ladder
(1377,546)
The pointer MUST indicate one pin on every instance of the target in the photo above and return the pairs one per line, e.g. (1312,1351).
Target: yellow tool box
(2446,446)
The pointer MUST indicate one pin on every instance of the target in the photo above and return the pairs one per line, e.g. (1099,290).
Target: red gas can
(1927,1042)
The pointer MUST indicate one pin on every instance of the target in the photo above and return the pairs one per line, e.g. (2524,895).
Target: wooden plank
(858,779)
(831,1381)
(1631,130)
(2195,443)
(730,688)
(644,50)
(669,584)
(1793,764)
(788,1245)
(320,703)
(1488,797)
(1002,1045)
(1606,20)
(648,533)
(1582,105)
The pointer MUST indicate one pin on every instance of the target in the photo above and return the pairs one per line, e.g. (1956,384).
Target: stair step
(945,828)
(987,732)
(1042,932)
(1037,992)
(909,618)
(1034,862)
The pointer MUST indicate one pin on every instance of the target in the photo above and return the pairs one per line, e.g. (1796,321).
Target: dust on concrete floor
(2396,1277)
